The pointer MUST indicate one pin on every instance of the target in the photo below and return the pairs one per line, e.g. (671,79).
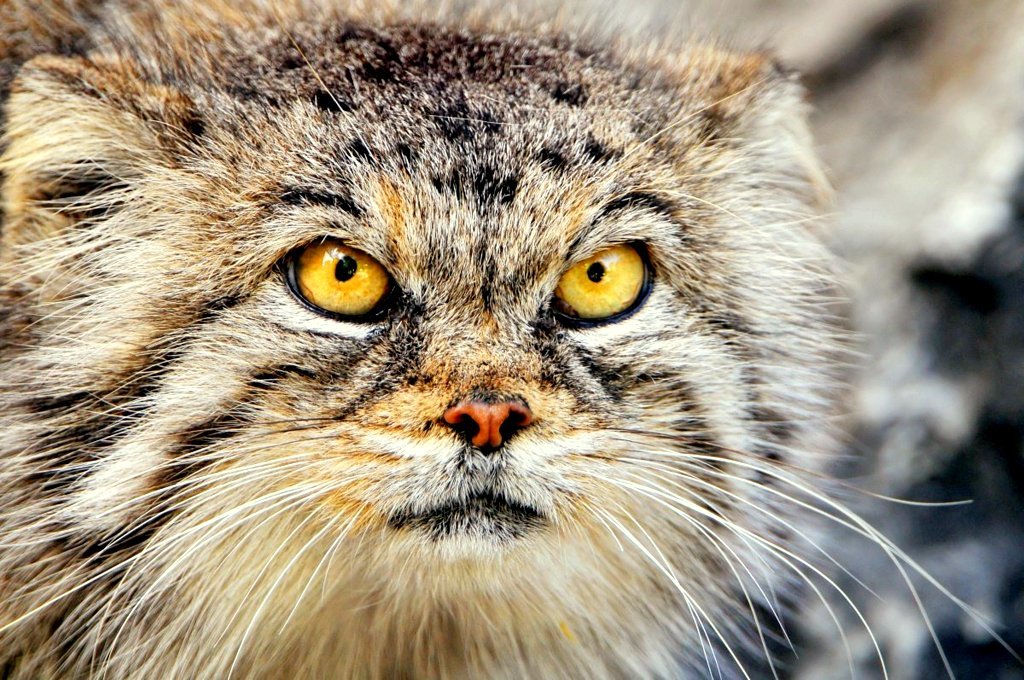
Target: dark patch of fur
(596,152)
(486,513)
(571,94)
(73,190)
(409,155)
(639,200)
(552,159)
(357,149)
(494,188)
(298,196)
(332,102)
(454,122)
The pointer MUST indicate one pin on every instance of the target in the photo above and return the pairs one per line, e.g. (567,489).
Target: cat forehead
(423,145)
(445,219)
(435,69)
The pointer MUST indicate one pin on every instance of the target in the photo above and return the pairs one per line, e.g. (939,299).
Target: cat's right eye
(339,281)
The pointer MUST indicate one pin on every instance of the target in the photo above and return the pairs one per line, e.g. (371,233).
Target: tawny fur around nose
(487,424)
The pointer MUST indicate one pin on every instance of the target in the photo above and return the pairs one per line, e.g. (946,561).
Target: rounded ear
(80,133)
(752,99)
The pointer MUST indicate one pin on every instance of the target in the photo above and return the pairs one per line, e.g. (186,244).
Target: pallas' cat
(342,343)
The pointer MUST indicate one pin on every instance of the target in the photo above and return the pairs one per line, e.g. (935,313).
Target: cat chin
(478,526)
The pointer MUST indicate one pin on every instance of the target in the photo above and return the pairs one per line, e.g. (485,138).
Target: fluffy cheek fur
(288,510)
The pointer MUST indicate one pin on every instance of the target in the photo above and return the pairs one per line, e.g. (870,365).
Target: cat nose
(487,423)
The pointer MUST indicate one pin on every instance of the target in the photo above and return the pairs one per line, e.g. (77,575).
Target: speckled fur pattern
(199,477)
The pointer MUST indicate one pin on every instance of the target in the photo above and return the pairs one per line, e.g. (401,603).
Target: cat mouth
(484,514)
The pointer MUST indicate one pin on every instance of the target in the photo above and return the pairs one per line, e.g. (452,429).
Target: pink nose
(487,424)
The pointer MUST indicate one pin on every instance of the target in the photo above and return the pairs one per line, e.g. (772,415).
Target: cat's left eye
(603,288)
(339,280)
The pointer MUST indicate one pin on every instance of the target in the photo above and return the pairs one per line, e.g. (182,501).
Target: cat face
(224,412)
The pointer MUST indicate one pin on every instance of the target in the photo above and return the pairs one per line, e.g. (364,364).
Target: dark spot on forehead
(551,159)
(453,121)
(493,187)
(572,94)
(408,154)
(489,121)
(596,152)
(331,102)
(451,184)
(357,149)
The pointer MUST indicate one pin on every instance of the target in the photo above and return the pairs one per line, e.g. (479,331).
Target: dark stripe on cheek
(695,434)
(79,192)
(101,419)
(773,424)
(57,405)
(271,376)
(128,540)
(211,310)
(66,453)
(169,481)
(612,379)
(201,440)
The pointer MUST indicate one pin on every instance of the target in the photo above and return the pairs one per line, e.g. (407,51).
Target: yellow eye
(340,280)
(604,286)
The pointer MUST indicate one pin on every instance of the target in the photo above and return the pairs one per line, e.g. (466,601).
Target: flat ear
(80,134)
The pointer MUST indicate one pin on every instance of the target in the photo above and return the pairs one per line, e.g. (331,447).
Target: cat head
(434,307)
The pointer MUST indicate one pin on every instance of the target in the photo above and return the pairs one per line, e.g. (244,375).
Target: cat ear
(80,135)
(753,99)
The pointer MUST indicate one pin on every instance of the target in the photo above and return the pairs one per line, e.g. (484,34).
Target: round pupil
(595,272)
(346,268)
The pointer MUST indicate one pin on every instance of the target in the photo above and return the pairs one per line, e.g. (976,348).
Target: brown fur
(202,477)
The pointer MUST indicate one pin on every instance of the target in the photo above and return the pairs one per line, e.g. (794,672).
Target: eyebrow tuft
(638,200)
(299,196)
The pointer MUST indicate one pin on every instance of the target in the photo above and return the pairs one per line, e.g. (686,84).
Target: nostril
(516,419)
(462,421)
(488,424)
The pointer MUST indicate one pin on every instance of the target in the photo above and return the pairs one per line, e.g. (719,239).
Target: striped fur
(199,477)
